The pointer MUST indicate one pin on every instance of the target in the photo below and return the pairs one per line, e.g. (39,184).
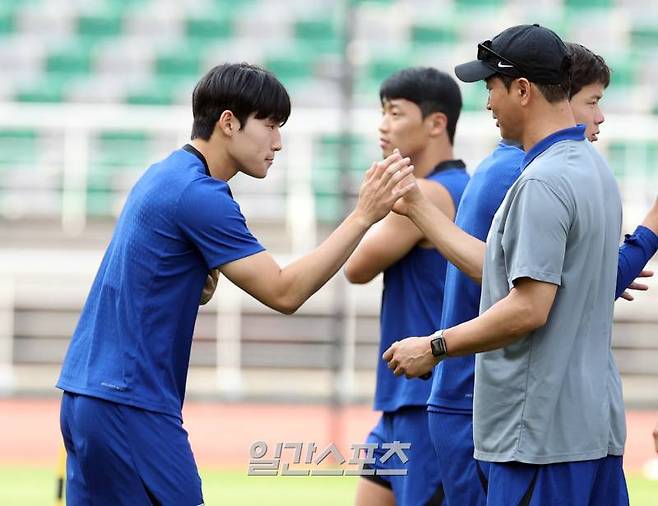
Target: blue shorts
(120,455)
(598,482)
(464,478)
(422,483)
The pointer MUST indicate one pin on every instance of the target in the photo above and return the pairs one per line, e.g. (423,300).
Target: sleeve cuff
(545,277)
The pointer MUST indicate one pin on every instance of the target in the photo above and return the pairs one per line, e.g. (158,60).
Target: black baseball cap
(529,51)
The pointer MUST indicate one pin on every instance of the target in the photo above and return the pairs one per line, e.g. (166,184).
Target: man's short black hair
(430,89)
(586,68)
(242,89)
(551,92)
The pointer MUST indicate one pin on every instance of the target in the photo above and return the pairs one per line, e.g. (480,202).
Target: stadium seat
(162,91)
(179,62)
(433,34)
(100,25)
(464,6)
(645,36)
(589,4)
(120,150)
(291,67)
(17,148)
(112,154)
(47,88)
(474,97)
(634,158)
(319,35)
(204,30)
(7,19)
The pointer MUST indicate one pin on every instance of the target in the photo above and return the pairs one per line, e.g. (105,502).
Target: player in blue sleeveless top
(125,371)
(420,111)
(450,404)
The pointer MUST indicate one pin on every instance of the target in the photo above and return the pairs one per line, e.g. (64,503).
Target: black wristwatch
(438,344)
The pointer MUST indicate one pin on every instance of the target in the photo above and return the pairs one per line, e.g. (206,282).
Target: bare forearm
(305,276)
(651,219)
(461,249)
(502,324)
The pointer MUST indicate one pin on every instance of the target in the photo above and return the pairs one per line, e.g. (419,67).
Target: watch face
(438,347)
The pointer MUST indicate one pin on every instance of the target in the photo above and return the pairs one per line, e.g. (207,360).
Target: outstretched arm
(637,250)
(393,237)
(286,289)
(523,310)
(459,248)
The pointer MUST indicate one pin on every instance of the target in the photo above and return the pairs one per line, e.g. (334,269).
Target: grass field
(27,486)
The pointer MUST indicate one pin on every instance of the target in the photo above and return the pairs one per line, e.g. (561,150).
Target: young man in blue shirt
(125,371)
(446,421)
(420,109)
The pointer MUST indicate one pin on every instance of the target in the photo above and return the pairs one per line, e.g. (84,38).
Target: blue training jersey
(411,302)
(132,342)
(452,385)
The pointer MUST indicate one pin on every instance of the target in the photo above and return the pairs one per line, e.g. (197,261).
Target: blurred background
(94,91)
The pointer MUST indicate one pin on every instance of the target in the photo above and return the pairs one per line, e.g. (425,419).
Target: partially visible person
(420,110)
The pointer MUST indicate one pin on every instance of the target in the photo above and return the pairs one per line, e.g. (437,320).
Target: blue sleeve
(213,222)
(637,250)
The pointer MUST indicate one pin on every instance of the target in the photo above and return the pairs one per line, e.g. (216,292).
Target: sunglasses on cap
(485,53)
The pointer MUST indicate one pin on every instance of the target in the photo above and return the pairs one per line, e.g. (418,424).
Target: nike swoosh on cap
(503,66)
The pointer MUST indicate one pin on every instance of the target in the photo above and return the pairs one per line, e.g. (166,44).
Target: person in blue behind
(528,465)
(420,109)
(125,370)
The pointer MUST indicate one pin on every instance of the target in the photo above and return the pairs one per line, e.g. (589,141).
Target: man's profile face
(255,145)
(402,126)
(586,110)
(503,109)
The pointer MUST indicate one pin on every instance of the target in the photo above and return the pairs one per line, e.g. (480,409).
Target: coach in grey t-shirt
(544,398)
(548,413)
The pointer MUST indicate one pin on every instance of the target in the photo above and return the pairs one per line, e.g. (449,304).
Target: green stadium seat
(433,34)
(633,158)
(589,4)
(179,63)
(644,36)
(121,150)
(474,97)
(100,25)
(113,153)
(162,91)
(7,19)
(18,148)
(74,59)
(100,201)
(377,2)
(51,87)
(478,4)
(327,170)
(328,207)
(208,29)
(291,68)
(624,69)
(319,35)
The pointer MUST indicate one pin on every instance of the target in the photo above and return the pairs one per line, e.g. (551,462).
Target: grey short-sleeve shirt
(551,395)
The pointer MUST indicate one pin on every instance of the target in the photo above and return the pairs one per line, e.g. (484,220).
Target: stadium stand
(67,158)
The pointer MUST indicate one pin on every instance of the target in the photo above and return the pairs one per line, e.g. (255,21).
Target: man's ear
(522,88)
(438,122)
(228,123)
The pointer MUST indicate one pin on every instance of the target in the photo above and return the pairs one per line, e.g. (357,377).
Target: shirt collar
(191,149)
(448,164)
(576,133)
